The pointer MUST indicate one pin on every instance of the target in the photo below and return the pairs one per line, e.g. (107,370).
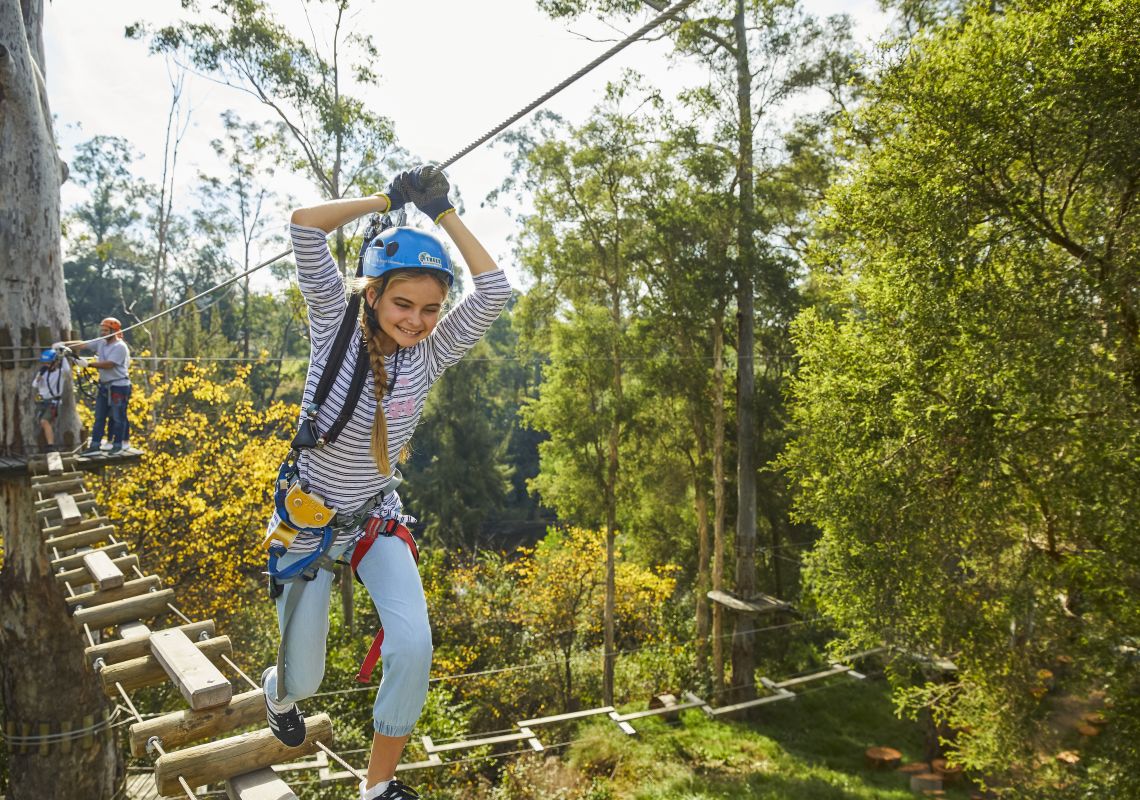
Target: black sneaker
(92,452)
(287,726)
(399,791)
(116,448)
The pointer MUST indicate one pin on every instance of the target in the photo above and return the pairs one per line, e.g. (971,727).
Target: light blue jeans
(392,579)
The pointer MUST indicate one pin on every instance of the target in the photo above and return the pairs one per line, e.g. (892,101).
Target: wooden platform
(758,604)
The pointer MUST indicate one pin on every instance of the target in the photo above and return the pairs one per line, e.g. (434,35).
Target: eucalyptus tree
(44,683)
(760,54)
(580,245)
(969,403)
(325,131)
(240,202)
(107,259)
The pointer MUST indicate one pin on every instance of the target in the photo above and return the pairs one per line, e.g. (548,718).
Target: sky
(448,72)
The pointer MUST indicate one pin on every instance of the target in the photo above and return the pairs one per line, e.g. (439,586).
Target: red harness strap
(373,528)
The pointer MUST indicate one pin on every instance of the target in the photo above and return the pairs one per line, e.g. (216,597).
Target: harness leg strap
(374,528)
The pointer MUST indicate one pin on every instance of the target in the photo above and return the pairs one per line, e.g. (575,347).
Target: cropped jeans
(392,579)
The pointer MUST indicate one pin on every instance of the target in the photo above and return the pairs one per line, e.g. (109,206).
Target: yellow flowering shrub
(195,508)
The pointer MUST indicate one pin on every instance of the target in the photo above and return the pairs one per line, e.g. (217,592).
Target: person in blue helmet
(49,383)
(408,342)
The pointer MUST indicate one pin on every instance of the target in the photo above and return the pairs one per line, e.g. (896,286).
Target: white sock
(374,792)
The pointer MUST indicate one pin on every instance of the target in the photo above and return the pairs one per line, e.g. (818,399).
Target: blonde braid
(379,446)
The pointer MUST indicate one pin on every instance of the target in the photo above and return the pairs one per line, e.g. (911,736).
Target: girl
(407,274)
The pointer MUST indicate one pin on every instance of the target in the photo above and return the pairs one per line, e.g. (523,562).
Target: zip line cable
(661,18)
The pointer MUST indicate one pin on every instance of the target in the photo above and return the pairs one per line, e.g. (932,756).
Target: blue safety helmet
(47,356)
(406,248)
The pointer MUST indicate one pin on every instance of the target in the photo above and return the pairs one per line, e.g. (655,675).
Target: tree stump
(1089,731)
(882,757)
(1094,718)
(1069,757)
(949,773)
(916,768)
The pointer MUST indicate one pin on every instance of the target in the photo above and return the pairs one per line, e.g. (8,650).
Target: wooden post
(219,761)
(182,727)
(139,630)
(60,484)
(103,571)
(199,681)
(127,648)
(147,671)
(141,607)
(54,463)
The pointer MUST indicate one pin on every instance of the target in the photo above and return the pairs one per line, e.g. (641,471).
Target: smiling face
(409,308)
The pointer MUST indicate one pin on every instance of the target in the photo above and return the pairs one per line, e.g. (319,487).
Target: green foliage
(967,402)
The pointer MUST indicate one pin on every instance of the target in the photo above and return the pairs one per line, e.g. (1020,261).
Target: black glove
(427,187)
(395,193)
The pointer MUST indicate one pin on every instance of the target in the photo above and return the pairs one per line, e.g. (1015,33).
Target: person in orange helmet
(113,360)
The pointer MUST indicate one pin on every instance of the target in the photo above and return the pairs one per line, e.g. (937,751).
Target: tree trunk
(36,630)
(719,506)
(743,658)
(704,556)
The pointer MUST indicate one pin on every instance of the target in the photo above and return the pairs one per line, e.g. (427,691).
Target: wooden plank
(180,728)
(760,701)
(125,649)
(589,712)
(761,604)
(79,574)
(221,760)
(655,712)
(52,503)
(137,630)
(91,522)
(68,509)
(262,784)
(199,681)
(144,606)
(59,483)
(44,514)
(147,671)
(97,597)
(76,559)
(54,464)
(467,744)
(86,535)
(815,676)
(103,571)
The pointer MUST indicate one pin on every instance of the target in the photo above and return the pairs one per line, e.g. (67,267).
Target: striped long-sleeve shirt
(344,472)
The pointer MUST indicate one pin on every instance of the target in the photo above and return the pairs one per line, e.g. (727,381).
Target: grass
(810,748)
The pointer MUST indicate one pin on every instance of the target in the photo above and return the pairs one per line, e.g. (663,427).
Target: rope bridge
(114,605)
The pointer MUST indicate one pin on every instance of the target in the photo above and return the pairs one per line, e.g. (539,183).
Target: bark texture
(44,687)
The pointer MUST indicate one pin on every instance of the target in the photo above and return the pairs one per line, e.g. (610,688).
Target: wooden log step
(76,559)
(103,571)
(126,648)
(144,606)
(925,781)
(53,502)
(87,535)
(58,483)
(139,586)
(147,671)
(183,727)
(224,759)
(90,522)
(80,574)
(262,784)
(136,630)
(54,512)
(199,681)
